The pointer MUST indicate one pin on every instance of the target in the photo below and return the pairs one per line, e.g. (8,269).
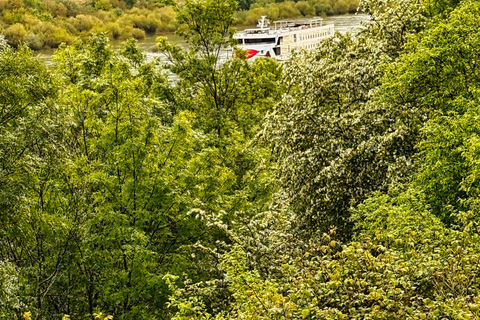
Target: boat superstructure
(285,36)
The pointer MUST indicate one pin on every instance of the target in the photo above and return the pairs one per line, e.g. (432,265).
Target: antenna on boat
(263,23)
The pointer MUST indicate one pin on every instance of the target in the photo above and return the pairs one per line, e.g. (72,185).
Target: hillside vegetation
(48,23)
(40,23)
(341,184)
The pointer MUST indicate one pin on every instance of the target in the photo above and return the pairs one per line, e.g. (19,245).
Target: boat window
(262,40)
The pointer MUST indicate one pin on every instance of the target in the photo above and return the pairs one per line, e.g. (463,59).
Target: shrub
(29,21)
(114,30)
(53,35)
(57,9)
(11,4)
(14,16)
(117,12)
(305,8)
(147,24)
(15,34)
(58,36)
(138,33)
(130,32)
(69,27)
(72,7)
(34,41)
(102,5)
(253,15)
(287,10)
(341,6)
(38,5)
(84,22)
(105,16)
(322,8)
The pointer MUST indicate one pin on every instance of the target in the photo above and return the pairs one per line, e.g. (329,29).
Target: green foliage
(15,34)
(342,184)
(336,142)
(404,264)
(224,88)
(41,23)
(250,11)
(415,251)
(48,23)
(436,77)
(25,125)
(9,287)
(207,25)
(122,182)
(449,171)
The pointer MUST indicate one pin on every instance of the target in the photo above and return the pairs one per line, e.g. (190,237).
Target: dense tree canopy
(338,143)
(340,184)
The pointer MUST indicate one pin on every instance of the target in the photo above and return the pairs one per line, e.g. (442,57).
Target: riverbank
(45,24)
(343,24)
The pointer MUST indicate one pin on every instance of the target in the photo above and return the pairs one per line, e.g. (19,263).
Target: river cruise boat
(283,38)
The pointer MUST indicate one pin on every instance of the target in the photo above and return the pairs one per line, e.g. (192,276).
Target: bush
(14,16)
(68,26)
(10,4)
(37,5)
(15,34)
(30,21)
(105,16)
(117,12)
(148,24)
(322,8)
(57,9)
(114,30)
(72,7)
(54,39)
(102,5)
(341,7)
(53,36)
(305,8)
(84,22)
(138,33)
(34,41)
(287,9)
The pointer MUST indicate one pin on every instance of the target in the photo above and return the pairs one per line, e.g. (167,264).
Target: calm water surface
(343,24)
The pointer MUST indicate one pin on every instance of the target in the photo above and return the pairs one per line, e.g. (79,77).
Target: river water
(343,24)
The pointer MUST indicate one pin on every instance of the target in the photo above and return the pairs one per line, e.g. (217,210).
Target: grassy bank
(43,24)
(47,23)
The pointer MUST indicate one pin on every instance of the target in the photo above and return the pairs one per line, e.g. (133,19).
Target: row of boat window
(312,35)
(288,50)
(264,40)
(259,41)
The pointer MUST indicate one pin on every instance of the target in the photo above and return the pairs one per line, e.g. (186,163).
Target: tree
(206,26)
(437,77)
(337,144)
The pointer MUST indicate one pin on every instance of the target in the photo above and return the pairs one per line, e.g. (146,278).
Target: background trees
(48,23)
